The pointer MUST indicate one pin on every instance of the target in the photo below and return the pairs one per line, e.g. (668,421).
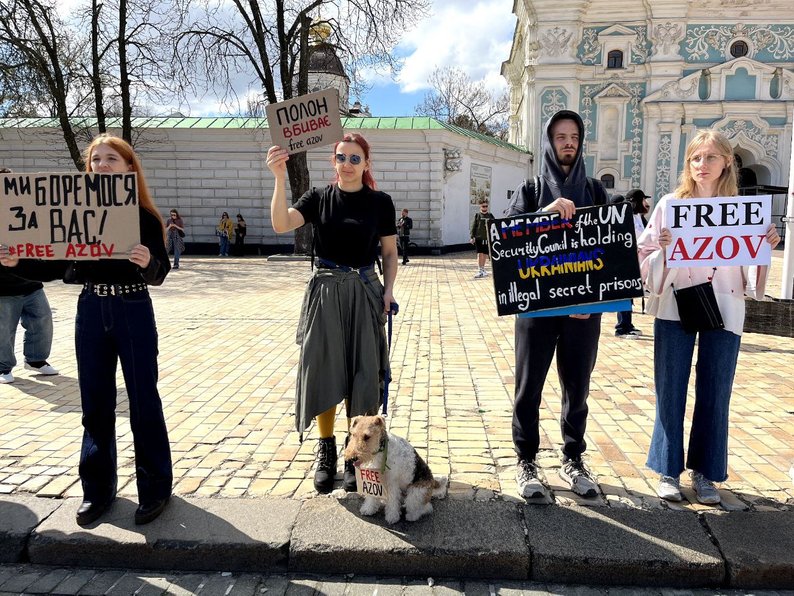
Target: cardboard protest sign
(305,122)
(76,216)
(718,231)
(543,262)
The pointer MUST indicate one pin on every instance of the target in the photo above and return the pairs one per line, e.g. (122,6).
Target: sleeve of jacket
(523,199)
(474,225)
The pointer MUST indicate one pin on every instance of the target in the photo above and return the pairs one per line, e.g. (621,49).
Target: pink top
(731,284)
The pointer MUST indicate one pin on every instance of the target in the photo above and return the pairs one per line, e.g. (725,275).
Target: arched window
(615,59)
(608,180)
(739,49)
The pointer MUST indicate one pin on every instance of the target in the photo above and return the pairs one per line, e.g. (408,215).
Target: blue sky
(473,35)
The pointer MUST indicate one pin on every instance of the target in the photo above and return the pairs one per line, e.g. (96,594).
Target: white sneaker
(6,378)
(580,479)
(480,273)
(705,490)
(669,488)
(44,369)
(529,485)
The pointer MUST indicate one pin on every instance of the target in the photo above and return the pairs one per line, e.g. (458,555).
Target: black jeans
(624,324)
(576,343)
(110,329)
(404,240)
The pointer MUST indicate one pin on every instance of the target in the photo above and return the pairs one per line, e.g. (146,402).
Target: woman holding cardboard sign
(344,353)
(115,323)
(707,302)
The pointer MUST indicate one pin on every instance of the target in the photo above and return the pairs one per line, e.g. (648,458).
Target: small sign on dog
(370,483)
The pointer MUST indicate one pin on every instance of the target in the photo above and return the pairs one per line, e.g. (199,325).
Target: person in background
(224,231)
(25,301)
(115,323)
(404,226)
(239,236)
(709,171)
(479,237)
(344,352)
(175,231)
(624,328)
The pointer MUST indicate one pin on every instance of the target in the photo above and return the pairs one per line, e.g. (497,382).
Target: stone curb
(505,539)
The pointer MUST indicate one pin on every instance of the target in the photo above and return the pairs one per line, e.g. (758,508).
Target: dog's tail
(440,486)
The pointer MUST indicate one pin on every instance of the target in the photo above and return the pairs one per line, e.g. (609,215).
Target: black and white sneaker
(579,478)
(529,485)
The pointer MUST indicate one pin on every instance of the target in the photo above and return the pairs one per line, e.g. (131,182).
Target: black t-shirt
(348,225)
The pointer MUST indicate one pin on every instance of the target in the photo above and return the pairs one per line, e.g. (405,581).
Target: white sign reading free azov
(718,231)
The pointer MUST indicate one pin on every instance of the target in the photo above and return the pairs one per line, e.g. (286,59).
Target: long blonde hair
(728,183)
(126,152)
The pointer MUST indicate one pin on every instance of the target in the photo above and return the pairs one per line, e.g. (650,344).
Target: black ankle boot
(349,481)
(326,465)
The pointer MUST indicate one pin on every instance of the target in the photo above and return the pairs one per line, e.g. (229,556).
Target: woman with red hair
(344,353)
(115,323)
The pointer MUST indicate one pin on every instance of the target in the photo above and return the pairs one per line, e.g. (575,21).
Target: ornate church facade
(645,76)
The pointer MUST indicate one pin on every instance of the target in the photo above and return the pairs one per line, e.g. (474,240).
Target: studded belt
(113,289)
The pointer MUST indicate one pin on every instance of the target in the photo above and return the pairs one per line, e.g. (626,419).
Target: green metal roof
(232,122)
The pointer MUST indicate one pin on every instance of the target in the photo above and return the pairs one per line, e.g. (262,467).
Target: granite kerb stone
(20,515)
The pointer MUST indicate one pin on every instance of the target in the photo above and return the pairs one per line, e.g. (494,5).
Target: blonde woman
(709,171)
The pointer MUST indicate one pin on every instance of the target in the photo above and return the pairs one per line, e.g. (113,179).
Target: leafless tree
(272,40)
(456,99)
(38,53)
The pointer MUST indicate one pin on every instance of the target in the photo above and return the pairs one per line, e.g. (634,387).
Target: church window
(615,59)
(608,180)
(739,49)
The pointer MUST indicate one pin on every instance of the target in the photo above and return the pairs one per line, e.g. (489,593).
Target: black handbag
(698,308)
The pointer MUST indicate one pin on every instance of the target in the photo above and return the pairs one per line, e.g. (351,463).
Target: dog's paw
(392,517)
(415,514)
(369,507)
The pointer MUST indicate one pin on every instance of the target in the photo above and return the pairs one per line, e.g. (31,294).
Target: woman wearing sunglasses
(344,354)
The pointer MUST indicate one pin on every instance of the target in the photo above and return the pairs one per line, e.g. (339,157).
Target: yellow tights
(325,423)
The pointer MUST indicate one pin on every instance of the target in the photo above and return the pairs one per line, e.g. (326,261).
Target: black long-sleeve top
(107,271)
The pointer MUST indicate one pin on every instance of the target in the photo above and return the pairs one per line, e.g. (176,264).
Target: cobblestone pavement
(227,379)
(29,579)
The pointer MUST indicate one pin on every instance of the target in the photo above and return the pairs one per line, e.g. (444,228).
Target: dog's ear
(380,421)
(354,422)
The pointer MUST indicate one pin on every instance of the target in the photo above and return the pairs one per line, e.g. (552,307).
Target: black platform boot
(326,465)
(350,473)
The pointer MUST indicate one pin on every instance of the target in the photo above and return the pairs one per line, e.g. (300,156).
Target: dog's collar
(384,448)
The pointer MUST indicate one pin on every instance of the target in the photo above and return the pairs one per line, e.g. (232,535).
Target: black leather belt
(114,289)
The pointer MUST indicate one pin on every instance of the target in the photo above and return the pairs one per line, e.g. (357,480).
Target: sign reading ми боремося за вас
(541,261)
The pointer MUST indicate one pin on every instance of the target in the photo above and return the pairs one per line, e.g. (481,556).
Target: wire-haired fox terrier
(392,470)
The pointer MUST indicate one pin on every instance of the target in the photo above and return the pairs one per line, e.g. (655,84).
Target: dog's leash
(393,310)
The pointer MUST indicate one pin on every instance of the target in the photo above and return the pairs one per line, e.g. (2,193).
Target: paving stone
(758,547)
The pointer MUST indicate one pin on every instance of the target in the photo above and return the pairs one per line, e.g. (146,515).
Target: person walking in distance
(479,237)
(563,187)
(404,226)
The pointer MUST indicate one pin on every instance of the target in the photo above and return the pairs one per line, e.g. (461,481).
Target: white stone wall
(203,172)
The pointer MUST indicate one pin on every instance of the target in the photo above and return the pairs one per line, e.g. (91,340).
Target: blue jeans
(109,329)
(34,312)
(718,352)
(224,247)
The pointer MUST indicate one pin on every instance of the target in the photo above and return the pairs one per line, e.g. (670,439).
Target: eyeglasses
(342,158)
(707,159)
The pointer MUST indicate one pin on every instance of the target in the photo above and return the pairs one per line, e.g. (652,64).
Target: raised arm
(284,218)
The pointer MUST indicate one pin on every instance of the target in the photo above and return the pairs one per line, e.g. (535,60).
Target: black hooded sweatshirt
(553,182)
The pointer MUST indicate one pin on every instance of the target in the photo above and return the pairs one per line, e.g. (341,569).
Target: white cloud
(474,36)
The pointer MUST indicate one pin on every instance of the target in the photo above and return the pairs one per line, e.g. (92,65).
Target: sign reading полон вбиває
(77,216)
(305,122)
(541,261)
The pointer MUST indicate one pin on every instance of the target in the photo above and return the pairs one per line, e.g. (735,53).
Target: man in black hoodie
(563,187)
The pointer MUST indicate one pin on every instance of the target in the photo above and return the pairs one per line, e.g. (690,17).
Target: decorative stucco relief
(552,101)
(747,128)
(680,89)
(555,41)
(666,37)
(707,42)
(663,161)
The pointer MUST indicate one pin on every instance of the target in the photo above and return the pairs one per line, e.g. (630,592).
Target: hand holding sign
(277,161)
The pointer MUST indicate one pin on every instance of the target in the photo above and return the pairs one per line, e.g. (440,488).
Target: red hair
(127,153)
(354,137)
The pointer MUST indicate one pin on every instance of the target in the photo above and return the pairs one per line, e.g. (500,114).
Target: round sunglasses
(342,158)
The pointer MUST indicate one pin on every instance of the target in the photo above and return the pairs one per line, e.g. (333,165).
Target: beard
(566,160)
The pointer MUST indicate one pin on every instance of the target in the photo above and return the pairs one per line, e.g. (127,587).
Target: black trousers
(576,343)
(404,240)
